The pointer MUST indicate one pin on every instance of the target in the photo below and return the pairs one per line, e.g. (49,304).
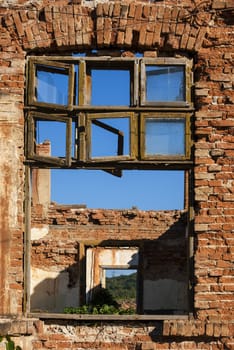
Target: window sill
(83,317)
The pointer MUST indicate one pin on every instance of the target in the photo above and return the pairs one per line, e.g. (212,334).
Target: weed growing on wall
(10,345)
(103,303)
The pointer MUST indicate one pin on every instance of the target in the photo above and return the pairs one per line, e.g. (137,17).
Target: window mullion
(31,82)
(82,84)
(30,136)
(68,142)
(142,91)
(188,140)
(82,138)
(71,88)
(135,82)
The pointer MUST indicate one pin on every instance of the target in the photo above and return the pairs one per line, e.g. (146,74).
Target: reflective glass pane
(165,83)
(55,133)
(110,137)
(165,136)
(52,85)
(110,87)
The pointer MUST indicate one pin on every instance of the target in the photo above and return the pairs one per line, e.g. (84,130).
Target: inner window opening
(122,285)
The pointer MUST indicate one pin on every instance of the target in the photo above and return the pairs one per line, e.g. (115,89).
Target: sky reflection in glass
(165,83)
(164,136)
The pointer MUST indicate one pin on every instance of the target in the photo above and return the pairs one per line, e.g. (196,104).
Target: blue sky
(147,190)
(119,272)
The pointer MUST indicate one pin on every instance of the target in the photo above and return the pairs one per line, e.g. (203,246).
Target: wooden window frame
(32,117)
(110,64)
(49,65)
(82,111)
(132,127)
(121,245)
(186,63)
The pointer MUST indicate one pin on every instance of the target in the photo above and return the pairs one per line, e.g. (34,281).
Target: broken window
(50,83)
(105,93)
(41,128)
(120,115)
(113,105)
(110,135)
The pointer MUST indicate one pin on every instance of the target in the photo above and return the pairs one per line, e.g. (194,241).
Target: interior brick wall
(202,30)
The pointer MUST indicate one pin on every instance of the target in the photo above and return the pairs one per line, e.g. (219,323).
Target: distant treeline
(122,287)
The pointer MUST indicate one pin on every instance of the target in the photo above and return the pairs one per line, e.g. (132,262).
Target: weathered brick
(138,11)
(117,9)
(107,31)
(220,77)
(166,22)
(218,4)
(18,24)
(132,9)
(128,36)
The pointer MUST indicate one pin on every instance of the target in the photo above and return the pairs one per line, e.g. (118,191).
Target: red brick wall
(160,236)
(204,31)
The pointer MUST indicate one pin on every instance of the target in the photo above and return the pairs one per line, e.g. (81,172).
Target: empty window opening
(110,87)
(122,285)
(110,137)
(48,131)
(111,277)
(59,133)
(143,190)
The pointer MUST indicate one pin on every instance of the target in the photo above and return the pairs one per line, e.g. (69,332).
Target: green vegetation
(99,310)
(10,345)
(103,303)
(103,296)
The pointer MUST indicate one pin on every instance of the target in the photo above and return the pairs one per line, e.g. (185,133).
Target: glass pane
(55,133)
(52,85)
(165,83)
(165,136)
(110,87)
(110,137)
